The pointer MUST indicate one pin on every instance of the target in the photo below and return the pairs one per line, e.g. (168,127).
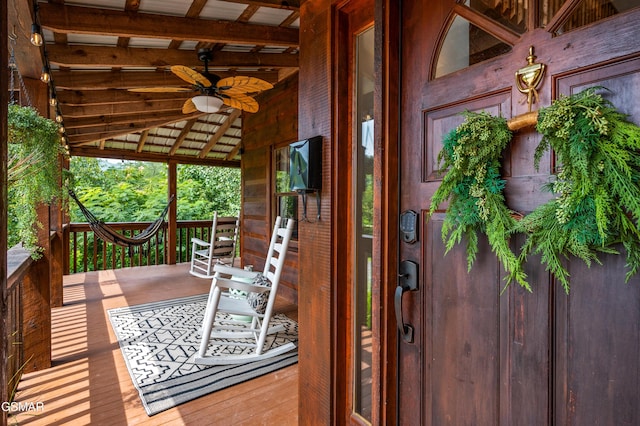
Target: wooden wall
(274,125)
(317,288)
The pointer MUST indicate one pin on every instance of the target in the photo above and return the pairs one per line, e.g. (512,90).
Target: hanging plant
(597,186)
(33,172)
(470,157)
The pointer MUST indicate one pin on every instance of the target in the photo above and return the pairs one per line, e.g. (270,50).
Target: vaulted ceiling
(97,50)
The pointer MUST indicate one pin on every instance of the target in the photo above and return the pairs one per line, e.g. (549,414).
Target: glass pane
(548,9)
(364,223)
(286,201)
(465,45)
(282,169)
(510,13)
(591,11)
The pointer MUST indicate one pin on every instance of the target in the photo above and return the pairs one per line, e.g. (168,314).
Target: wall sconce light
(45,77)
(36,35)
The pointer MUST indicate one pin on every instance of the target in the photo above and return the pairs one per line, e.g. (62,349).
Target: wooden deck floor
(89,382)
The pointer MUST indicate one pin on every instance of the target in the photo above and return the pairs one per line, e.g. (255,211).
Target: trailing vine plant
(597,186)
(33,172)
(471,159)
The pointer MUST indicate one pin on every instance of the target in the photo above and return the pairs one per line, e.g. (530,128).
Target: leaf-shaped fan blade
(160,89)
(242,84)
(242,102)
(189,107)
(190,76)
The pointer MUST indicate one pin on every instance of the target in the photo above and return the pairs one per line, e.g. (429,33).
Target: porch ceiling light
(36,35)
(207,103)
(45,76)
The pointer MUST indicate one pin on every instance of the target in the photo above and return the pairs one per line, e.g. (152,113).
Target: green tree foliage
(203,190)
(137,192)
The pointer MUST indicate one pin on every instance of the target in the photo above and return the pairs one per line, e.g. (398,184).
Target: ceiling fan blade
(242,102)
(190,76)
(243,84)
(160,89)
(189,107)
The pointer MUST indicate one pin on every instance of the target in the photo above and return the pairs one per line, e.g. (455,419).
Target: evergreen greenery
(472,183)
(597,186)
(34,173)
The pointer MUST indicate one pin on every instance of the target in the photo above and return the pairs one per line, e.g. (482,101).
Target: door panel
(598,326)
(479,356)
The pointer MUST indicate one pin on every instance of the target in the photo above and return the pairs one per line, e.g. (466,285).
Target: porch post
(36,290)
(172,229)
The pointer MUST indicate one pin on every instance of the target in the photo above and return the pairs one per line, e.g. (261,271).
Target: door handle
(407,281)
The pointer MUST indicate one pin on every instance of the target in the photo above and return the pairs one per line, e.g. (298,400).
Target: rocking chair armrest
(230,270)
(241,285)
(200,242)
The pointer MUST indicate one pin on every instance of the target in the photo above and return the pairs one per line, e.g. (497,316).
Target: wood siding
(275,124)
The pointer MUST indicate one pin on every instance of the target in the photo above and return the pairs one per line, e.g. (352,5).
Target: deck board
(89,382)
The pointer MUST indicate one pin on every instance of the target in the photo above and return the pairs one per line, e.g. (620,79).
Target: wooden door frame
(387,111)
(385,250)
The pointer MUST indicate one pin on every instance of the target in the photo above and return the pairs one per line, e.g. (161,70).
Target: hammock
(110,235)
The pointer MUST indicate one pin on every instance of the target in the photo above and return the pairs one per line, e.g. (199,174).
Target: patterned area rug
(159,341)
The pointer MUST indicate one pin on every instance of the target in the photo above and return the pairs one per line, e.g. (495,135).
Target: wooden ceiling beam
(105,56)
(142,140)
(87,151)
(111,131)
(132,118)
(106,22)
(219,133)
(280,4)
(77,111)
(100,80)
(181,137)
(114,96)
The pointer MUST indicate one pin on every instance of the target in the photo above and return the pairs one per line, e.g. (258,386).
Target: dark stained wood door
(479,357)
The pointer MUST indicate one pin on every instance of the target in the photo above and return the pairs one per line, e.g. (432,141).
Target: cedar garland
(597,187)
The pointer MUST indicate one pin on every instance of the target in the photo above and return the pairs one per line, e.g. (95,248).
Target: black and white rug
(159,341)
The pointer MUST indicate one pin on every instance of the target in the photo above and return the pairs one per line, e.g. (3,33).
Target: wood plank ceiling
(97,50)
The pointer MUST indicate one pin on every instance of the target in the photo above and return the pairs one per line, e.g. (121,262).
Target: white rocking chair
(243,333)
(222,245)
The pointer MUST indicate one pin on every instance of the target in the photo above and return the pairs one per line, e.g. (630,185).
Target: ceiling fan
(214,91)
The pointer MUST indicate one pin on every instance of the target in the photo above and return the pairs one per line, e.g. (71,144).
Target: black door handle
(407,281)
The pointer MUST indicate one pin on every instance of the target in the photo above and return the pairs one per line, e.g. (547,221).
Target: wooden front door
(479,357)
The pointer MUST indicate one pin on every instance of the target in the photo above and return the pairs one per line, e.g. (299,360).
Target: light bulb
(36,36)
(45,76)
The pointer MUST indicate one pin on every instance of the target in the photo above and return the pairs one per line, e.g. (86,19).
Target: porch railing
(88,253)
(19,268)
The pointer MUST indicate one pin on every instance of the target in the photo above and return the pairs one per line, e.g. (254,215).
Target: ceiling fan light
(207,103)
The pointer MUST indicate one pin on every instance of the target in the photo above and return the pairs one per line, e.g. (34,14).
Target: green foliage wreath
(471,158)
(597,186)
